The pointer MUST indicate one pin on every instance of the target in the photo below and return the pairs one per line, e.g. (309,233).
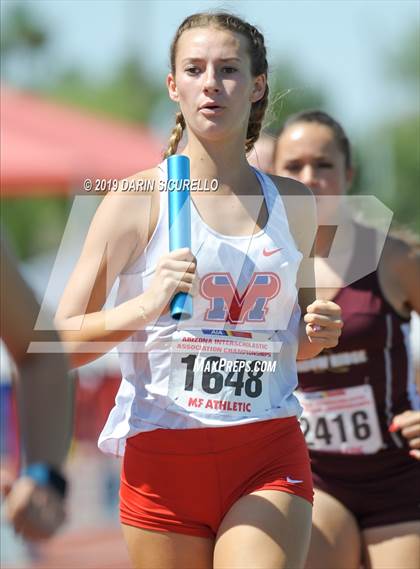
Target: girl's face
(213,83)
(308,152)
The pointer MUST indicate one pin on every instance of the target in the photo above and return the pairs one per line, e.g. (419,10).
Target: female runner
(215,470)
(360,400)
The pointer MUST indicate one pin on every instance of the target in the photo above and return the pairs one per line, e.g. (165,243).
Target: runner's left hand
(323,323)
(408,423)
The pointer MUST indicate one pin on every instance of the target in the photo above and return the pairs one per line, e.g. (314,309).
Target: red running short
(186,480)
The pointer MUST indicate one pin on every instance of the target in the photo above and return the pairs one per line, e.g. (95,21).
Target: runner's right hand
(175,272)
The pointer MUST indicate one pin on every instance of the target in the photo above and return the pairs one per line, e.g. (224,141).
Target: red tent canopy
(48,148)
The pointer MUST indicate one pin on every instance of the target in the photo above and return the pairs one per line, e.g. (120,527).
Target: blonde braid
(176,135)
(259,108)
(255,121)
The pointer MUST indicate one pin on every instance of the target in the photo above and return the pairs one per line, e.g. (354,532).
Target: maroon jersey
(351,394)
(373,350)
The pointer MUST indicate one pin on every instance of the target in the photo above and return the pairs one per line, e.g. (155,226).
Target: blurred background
(83,96)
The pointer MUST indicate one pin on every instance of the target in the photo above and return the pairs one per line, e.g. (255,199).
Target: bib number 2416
(341,420)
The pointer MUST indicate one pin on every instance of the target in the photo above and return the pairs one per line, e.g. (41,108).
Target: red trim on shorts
(186,480)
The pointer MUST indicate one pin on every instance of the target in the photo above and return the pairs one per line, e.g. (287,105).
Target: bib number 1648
(246,375)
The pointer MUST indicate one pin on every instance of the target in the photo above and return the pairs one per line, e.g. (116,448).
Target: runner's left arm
(320,325)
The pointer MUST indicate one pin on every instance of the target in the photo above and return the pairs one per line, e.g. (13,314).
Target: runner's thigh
(167,550)
(396,546)
(267,529)
(335,540)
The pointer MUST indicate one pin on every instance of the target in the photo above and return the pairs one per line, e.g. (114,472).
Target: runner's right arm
(119,233)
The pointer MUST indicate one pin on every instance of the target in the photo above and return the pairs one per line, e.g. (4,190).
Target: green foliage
(387,165)
(405,201)
(288,95)
(403,62)
(392,152)
(129,95)
(37,224)
(23,31)
(34,224)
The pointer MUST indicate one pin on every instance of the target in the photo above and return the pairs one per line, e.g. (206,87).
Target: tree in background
(392,152)
(289,94)
(129,95)
(23,45)
(404,134)
(37,224)
(33,224)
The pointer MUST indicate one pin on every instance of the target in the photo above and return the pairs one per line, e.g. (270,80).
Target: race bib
(341,420)
(216,372)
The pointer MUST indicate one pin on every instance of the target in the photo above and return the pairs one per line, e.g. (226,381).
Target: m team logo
(228,305)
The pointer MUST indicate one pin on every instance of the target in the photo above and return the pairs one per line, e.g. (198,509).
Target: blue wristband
(45,475)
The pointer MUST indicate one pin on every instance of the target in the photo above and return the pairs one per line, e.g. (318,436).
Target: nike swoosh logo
(293,481)
(267,253)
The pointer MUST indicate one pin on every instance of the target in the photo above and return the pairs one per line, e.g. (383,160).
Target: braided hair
(259,66)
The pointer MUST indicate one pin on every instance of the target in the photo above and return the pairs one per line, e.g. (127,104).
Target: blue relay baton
(179,223)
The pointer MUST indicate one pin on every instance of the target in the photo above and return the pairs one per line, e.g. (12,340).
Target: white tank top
(234,361)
